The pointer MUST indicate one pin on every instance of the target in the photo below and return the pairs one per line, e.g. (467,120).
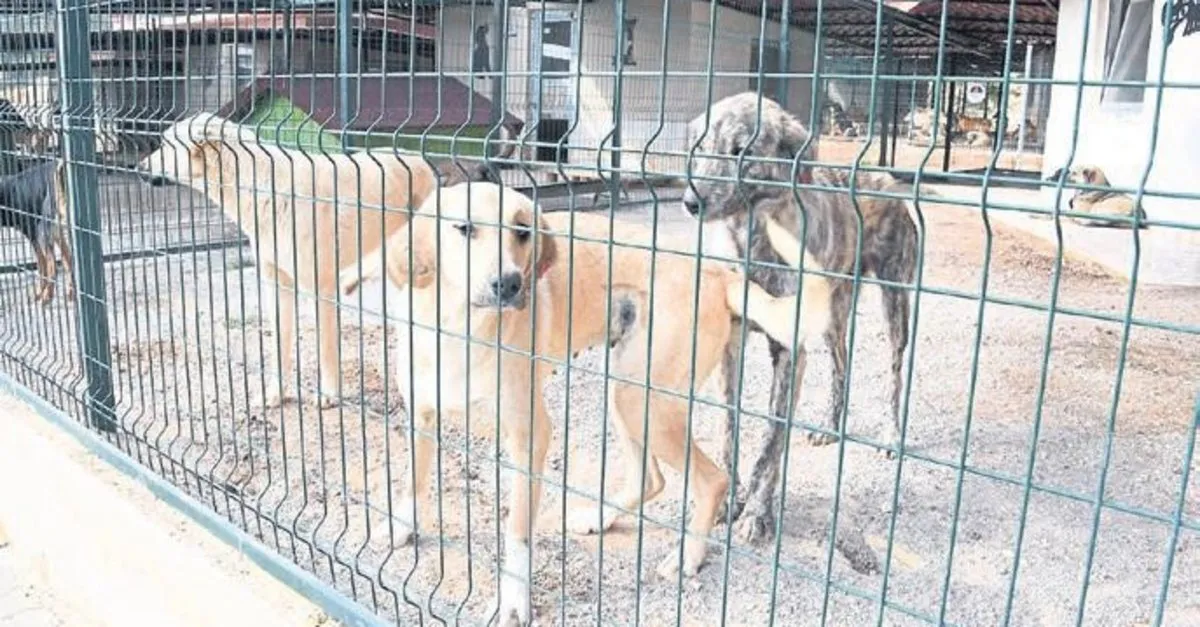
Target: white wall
(682,99)
(1118,138)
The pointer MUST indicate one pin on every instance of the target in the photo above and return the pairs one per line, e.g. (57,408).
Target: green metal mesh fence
(1042,473)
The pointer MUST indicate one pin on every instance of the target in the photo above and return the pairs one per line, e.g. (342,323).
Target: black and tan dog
(34,201)
(1099,202)
(736,134)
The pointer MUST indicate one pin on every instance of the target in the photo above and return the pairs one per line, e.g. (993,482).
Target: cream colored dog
(1100,202)
(298,209)
(512,288)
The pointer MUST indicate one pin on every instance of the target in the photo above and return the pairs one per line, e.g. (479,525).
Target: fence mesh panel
(1048,356)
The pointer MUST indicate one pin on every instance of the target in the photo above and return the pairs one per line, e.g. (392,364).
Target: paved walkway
(84,545)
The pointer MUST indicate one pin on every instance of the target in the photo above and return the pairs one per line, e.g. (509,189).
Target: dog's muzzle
(506,291)
(691,202)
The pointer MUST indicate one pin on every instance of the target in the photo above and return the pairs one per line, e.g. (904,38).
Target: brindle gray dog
(889,248)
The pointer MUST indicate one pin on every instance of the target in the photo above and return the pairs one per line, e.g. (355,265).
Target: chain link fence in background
(1050,387)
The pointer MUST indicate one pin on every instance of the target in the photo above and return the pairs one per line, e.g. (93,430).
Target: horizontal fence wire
(1007,437)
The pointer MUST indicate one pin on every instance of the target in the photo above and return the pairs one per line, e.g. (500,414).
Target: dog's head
(181,155)
(485,248)
(1081,175)
(741,130)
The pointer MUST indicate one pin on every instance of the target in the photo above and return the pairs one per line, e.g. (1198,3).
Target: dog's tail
(775,314)
(367,268)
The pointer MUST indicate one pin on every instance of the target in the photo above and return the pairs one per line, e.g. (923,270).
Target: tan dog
(1099,202)
(284,201)
(513,287)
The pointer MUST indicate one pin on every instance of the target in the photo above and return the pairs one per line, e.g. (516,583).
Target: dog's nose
(507,287)
(691,202)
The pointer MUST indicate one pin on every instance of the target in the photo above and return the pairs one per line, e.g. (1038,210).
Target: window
(1127,50)
(244,64)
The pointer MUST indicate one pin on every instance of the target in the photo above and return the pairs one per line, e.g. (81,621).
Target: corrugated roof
(911,28)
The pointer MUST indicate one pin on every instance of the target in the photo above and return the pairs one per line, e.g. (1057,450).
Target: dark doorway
(551,131)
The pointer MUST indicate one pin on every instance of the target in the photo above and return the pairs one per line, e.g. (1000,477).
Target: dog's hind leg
(757,520)
(64,249)
(667,440)
(897,267)
(896,310)
(43,289)
(62,210)
(591,520)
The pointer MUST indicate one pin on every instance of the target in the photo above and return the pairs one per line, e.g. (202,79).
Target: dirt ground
(188,333)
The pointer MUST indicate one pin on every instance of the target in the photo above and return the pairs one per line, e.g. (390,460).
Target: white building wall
(1119,138)
(651,113)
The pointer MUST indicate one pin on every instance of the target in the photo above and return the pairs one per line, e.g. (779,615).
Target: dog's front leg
(729,380)
(279,388)
(757,521)
(421,439)
(330,392)
(525,492)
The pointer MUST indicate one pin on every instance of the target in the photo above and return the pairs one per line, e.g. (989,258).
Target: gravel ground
(187,332)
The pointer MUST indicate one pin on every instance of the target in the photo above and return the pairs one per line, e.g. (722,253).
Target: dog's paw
(891,438)
(509,616)
(585,521)
(275,399)
(406,528)
(822,439)
(862,558)
(669,568)
(727,515)
(514,609)
(753,527)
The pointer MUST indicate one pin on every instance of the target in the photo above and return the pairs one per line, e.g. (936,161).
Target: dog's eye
(465,228)
(521,232)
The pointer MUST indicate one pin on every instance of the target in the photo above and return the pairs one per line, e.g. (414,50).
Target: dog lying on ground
(504,283)
(1099,202)
(889,252)
(34,201)
(298,209)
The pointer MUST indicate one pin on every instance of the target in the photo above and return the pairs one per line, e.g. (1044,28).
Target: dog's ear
(547,251)
(547,248)
(1054,176)
(793,138)
(421,272)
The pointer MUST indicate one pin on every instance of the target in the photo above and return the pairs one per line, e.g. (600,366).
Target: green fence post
(499,63)
(79,143)
(614,189)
